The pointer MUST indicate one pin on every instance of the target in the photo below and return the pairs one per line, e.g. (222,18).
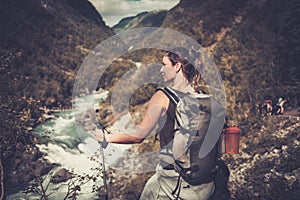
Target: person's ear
(178,67)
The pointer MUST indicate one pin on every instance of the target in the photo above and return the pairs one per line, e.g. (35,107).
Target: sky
(112,11)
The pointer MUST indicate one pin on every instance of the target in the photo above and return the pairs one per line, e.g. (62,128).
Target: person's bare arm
(156,108)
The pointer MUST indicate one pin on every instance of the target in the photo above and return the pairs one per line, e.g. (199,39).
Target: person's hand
(98,134)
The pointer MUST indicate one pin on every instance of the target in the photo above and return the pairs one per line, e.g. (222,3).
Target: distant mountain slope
(43,43)
(145,19)
(254,44)
(86,9)
(203,19)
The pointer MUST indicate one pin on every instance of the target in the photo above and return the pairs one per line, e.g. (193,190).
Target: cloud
(113,11)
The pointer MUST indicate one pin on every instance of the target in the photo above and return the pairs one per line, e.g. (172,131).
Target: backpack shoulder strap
(171,94)
(174,98)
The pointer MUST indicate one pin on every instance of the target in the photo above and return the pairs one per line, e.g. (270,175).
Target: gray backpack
(193,115)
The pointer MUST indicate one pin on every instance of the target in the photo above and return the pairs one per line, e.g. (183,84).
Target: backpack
(193,114)
(221,191)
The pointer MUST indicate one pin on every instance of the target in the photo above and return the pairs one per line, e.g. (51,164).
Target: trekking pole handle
(104,143)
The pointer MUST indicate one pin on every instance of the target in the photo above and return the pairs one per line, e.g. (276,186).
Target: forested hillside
(42,44)
(254,44)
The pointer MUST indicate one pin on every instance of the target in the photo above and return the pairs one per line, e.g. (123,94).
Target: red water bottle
(232,140)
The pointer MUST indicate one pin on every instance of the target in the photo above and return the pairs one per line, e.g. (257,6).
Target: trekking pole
(103,145)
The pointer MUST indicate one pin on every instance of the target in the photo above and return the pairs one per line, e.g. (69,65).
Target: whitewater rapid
(77,154)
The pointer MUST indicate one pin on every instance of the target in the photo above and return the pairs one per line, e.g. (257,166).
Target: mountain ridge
(144,19)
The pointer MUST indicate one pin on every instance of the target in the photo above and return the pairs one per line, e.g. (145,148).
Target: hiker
(268,107)
(184,77)
(258,107)
(280,106)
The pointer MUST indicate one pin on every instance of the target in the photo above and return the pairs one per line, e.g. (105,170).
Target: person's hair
(192,75)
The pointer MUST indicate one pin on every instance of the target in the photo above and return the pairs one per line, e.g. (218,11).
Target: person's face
(168,70)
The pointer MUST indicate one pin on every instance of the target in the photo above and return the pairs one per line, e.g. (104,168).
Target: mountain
(144,19)
(253,43)
(42,44)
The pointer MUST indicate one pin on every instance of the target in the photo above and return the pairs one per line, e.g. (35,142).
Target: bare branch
(1,179)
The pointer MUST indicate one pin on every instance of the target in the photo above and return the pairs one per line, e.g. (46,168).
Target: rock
(61,175)
(41,169)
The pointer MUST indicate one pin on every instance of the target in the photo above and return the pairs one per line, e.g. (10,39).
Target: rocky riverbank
(22,161)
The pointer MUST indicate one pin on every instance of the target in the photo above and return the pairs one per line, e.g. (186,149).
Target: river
(72,152)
